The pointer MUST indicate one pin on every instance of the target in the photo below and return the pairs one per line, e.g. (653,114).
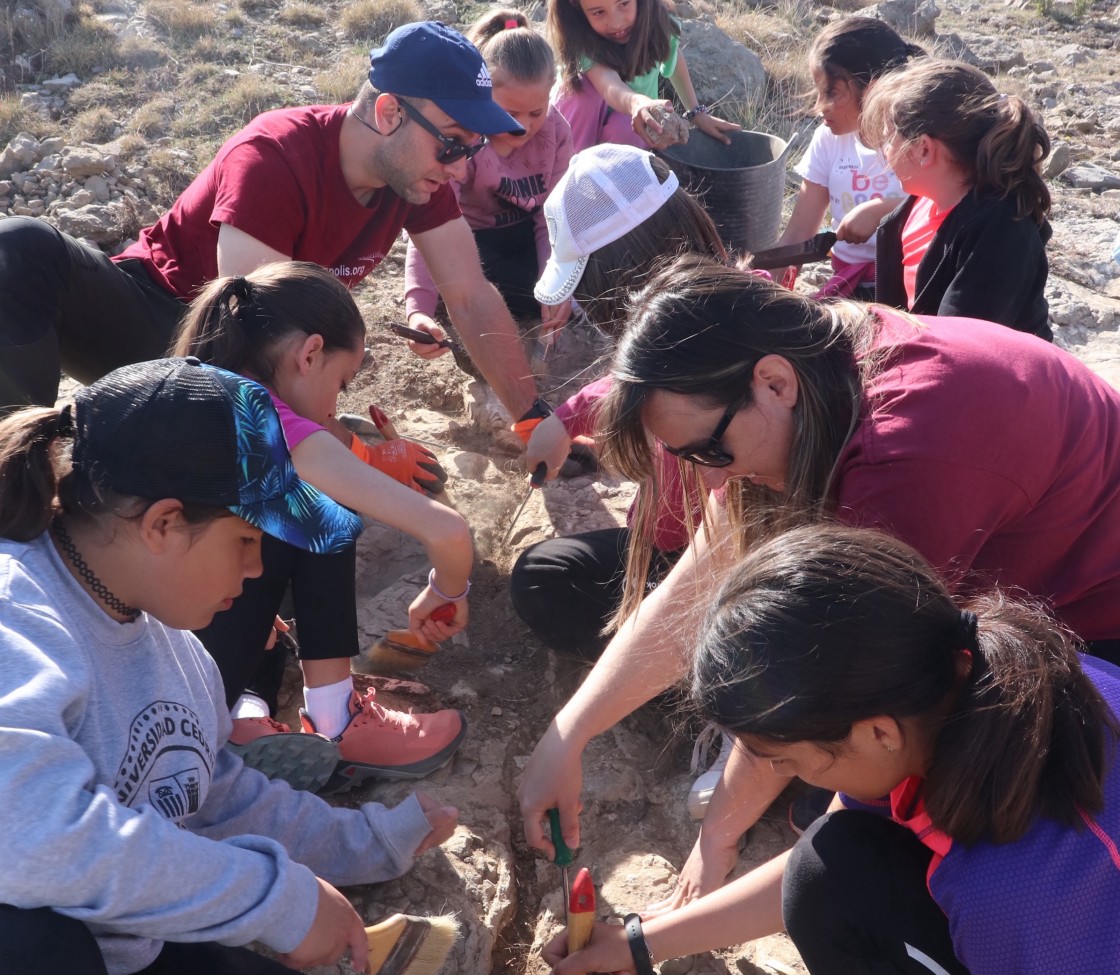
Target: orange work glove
(528,423)
(404,461)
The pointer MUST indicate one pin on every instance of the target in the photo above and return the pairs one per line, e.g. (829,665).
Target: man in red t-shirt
(331,184)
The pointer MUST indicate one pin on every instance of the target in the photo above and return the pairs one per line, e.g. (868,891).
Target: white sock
(329,706)
(249,706)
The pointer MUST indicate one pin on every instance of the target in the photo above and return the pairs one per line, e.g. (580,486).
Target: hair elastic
(65,427)
(442,595)
(511,24)
(967,636)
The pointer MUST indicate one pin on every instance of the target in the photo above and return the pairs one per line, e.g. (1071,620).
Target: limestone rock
(719,66)
(987,52)
(911,18)
(82,161)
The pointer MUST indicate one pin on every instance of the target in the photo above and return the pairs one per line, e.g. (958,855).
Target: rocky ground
(105,117)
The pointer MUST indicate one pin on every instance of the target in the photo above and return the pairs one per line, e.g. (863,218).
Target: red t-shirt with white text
(280,180)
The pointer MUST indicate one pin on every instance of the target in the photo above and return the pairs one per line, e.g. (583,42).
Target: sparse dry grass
(94,125)
(182,20)
(369,21)
(80,49)
(153,119)
(340,82)
(302,14)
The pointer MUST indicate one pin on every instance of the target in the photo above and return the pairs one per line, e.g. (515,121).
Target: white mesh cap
(607,191)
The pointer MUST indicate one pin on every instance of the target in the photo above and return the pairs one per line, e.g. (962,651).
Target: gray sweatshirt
(120,807)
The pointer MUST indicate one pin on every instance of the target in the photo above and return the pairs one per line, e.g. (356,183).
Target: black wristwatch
(639,950)
(538,411)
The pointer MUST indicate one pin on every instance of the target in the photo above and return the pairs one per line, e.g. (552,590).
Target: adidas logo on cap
(483,79)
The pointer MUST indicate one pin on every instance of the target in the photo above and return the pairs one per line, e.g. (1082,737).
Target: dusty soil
(635,827)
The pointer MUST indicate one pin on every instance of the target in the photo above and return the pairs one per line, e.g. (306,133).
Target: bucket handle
(795,139)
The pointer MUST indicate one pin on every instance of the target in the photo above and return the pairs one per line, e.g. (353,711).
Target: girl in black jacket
(970,240)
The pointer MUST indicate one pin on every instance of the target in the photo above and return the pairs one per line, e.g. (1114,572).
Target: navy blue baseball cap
(430,60)
(175,428)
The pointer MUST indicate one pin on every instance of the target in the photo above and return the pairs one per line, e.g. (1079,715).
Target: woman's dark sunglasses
(710,452)
(453,150)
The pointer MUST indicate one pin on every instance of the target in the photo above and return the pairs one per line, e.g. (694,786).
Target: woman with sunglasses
(990,452)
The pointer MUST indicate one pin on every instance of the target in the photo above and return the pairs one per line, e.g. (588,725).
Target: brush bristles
(404,945)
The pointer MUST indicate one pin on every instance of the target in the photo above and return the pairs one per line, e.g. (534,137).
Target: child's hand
(420,620)
(426,324)
(715,128)
(408,463)
(441,818)
(555,316)
(860,222)
(607,951)
(548,442)
(336,931)
(657,123)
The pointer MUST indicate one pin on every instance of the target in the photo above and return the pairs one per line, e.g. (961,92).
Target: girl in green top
(611,54)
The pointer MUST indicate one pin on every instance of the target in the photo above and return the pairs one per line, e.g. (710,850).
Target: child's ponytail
(995,139)
(859,50)
(29,446)
(507,42)
(241,323)
(1008,157)
(1028,732)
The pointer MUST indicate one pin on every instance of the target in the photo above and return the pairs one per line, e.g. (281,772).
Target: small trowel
(814,249)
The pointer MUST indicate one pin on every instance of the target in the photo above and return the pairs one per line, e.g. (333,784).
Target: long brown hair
(698,329)
(573,39)
(993,137)
(825,626)
(617,270)
(240,323)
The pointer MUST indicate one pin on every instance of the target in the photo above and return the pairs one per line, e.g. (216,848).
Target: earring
(888,748)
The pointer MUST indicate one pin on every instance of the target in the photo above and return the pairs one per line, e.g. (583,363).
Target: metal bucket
(740,185)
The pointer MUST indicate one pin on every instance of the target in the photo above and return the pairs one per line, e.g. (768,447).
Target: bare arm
(744,793)
(710,125)
(647,655)
(478,313)
(329,466)
(745,910)
(238,253)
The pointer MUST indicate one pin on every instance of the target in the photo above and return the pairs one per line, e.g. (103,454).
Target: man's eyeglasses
(710,452)
(453,150)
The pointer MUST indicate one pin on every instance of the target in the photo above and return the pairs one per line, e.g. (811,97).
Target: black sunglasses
(709,452)
(453,150)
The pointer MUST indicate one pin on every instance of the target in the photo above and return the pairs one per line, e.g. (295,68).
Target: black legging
(326,613)
(43,942)
(66,307)
(509,261)
(566,589)
(855,901)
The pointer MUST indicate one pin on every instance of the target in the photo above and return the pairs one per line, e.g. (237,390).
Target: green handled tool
(564,856)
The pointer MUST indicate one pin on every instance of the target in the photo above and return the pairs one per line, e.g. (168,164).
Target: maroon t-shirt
(280,180)
(994,454)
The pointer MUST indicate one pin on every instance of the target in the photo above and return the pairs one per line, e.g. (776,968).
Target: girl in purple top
(838,656)
(506,184)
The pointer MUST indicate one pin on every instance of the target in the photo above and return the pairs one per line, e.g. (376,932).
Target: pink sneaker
(383,744)
(303,761)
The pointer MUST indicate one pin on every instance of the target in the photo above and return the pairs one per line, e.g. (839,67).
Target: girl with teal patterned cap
(127,518)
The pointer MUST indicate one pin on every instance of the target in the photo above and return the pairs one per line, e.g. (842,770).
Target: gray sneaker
(305,761)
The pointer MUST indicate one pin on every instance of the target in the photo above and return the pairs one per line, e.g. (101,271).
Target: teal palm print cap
(175,428)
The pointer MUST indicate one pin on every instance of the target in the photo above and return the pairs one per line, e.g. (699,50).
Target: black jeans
(855,901)
(42,942)
(566,589)
(65,307)
(326,613)
(509,261)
